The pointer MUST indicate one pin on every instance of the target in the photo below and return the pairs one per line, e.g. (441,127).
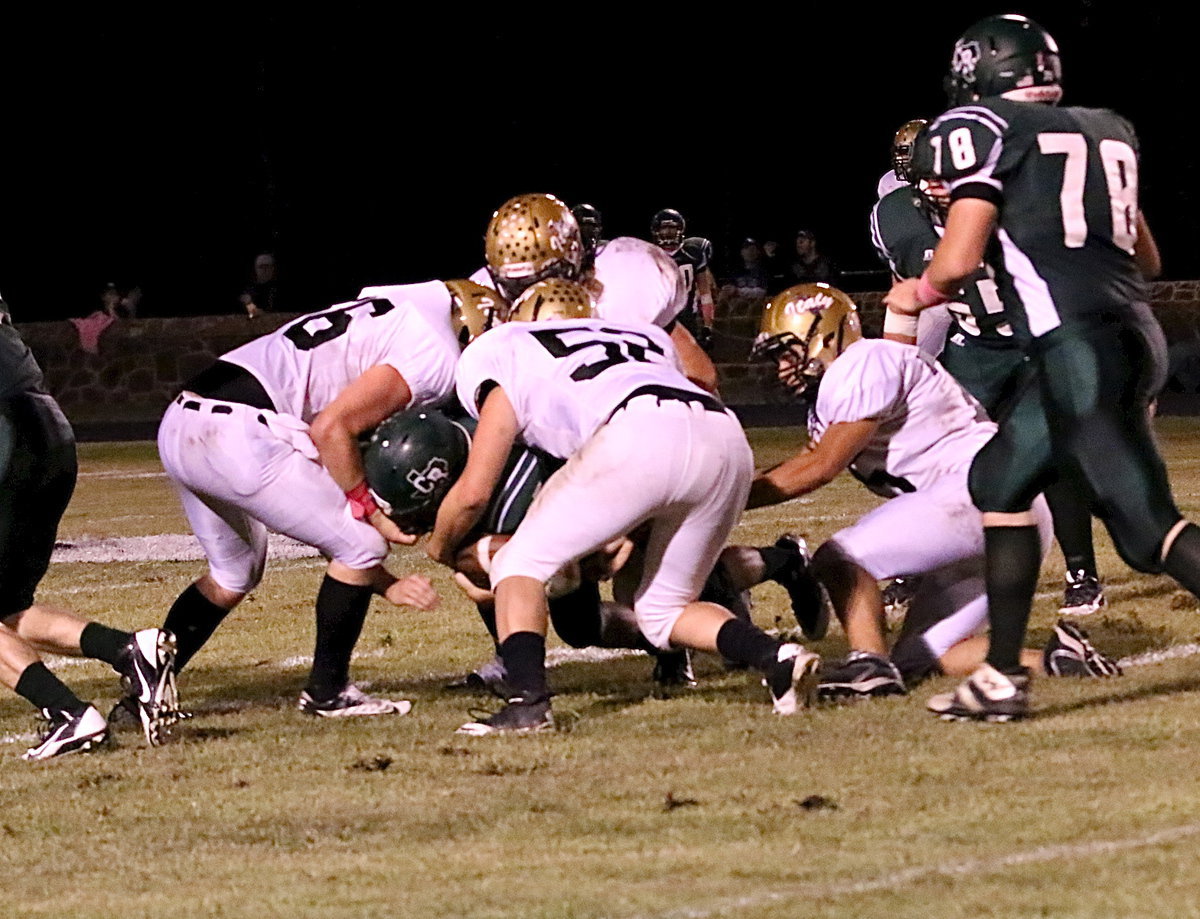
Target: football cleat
(673,670)
(147,668)
(793,680)
(986,695)
(808,599)
(860,675)
(487,677)
(1083,596)
(523,714)
(1069,653)
(352,702)
(69,733)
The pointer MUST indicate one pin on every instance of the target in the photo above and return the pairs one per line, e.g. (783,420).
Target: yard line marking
(167,547)
(122,475)
(1174,652)
(971,867)
(291,565)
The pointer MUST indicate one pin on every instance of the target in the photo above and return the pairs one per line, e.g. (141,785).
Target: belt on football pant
(671,394)
(228,382)
(218,409)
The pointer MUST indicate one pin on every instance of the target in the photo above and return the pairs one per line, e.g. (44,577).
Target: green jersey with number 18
(1065,181)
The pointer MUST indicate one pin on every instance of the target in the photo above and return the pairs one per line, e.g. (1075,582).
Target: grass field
(699,805)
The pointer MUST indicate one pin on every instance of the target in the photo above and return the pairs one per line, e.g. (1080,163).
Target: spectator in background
(113,306)
(261,294)
(749,279)
(773,264)
(809,265)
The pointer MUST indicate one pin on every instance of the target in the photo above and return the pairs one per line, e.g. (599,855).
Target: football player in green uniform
(37,477)
(1049,197)
(978,347)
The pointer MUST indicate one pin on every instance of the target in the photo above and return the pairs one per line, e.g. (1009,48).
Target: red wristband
(362,502)
(927,294)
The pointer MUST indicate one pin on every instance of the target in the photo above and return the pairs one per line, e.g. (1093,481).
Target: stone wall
(141,363)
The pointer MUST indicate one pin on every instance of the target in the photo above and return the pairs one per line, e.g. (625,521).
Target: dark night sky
(366,146)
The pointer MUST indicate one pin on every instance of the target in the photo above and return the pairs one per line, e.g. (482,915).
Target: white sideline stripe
(122,475)
(1148,658)
(969,868)
(181,579)
(167,547)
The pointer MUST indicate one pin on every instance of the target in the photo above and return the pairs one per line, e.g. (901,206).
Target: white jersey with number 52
(565,377)
(307,363)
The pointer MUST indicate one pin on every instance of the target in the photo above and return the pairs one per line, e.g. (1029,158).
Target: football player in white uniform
(906,429)
(534,237)
(267,439)
(597,393)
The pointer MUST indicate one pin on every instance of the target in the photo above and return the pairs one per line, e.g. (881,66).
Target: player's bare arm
(697,365)
(705,285)
(809,470)
(969,226)
(468,498)
(899,327)
(1145,250)
(374,396)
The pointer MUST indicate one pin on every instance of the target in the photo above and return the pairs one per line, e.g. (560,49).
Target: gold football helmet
(474,309)
(554,298)
(902,147)
(802,330)
(530,238)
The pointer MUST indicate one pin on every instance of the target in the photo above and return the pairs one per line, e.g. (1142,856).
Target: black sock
(1014,556)
(774,560)
(1072,527)
(192,618)
(487,612)
(1183,561)
(45,690)
(101,643)
(747,644)
(341,611)
(524,656)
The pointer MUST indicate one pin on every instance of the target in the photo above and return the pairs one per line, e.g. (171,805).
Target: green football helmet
(411,460)
(1009,56)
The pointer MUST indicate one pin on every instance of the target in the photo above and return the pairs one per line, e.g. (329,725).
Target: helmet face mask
(591,224)
(1009,56)
(668,228)
(530,238)
(903,145)
(803,330)
(474,309)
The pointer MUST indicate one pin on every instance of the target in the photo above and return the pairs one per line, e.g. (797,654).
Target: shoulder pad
(698,250)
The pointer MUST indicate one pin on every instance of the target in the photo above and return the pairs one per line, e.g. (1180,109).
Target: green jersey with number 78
(1065,181)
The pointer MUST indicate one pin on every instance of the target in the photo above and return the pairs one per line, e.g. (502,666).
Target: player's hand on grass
(414,590)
